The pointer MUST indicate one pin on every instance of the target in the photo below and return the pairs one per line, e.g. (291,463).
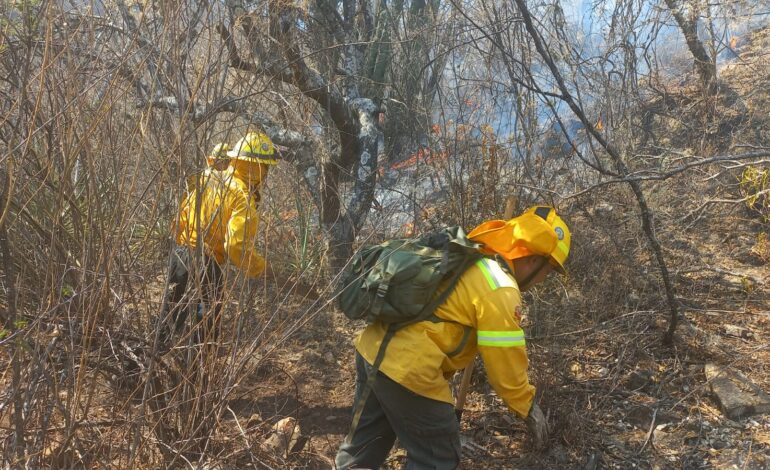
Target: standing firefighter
(218,158)
(403,366)
(218,222)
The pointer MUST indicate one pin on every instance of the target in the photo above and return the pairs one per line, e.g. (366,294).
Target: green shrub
(755,186)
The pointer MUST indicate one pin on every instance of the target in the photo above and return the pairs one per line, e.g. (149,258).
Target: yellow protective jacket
(228,219)
(483,306)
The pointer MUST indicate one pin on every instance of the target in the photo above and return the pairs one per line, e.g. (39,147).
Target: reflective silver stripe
(494,274)
(501,339)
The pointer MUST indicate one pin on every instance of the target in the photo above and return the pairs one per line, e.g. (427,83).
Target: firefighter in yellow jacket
(411,397)
(218,220)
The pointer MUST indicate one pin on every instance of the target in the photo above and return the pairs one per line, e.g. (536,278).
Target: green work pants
(426,428)
(193,288)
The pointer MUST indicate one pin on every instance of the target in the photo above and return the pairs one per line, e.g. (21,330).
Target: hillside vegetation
(392,119)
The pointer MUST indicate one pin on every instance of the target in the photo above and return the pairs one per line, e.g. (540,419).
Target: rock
(253,420)
(739,459)
(692,439)
(592,463)
(737,331)
(747,255)
(603,210)
(329,357)
(286,437)
(734,425)
(639,379)
(558,453)
(737,395)
(668,440)
(719,444)
(641,416)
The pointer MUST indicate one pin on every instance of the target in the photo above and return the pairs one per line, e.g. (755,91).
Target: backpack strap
(463,342)
(371,376)
(390,270)
(379,298)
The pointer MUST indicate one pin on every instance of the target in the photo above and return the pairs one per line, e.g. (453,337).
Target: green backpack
(397,283)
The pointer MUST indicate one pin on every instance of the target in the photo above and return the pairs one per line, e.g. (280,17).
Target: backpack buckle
(382,289)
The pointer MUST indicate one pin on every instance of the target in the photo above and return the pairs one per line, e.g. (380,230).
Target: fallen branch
(650,432)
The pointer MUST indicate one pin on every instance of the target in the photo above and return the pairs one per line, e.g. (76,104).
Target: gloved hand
(538,427)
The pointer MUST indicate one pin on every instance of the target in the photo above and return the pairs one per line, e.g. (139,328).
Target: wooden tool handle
(462,394)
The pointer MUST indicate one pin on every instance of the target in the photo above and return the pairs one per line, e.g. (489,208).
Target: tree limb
(232,51)
(680,169)
(703,63)
(647,222)
(298,73)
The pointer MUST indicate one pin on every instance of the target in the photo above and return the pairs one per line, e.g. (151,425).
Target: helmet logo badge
(265,147)
(559,233)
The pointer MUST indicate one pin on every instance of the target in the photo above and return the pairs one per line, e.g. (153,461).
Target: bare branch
(647,221)
(676,171)
(232,50)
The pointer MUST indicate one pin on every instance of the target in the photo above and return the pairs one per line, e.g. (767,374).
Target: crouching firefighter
(432,304)
(217,222)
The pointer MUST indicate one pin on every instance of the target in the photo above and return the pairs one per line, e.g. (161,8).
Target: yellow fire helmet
(254,147)
(218,154)
(538,231)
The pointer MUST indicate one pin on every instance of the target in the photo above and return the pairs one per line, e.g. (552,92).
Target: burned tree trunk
(704,64)
(353,115)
